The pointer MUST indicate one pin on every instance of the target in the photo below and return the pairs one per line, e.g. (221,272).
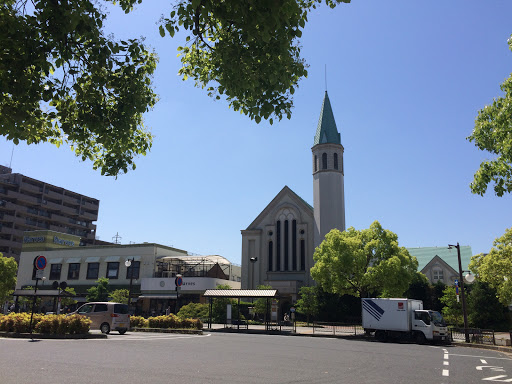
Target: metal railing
(476,335)
(337,329)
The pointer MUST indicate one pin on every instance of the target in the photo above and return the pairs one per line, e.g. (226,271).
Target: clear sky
(405,80)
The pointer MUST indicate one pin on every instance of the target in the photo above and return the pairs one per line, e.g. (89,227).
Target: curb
(15,335)
(169,330)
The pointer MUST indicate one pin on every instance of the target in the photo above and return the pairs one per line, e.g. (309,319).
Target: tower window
(324,160)
(335,161)
(316,163)
(270,256)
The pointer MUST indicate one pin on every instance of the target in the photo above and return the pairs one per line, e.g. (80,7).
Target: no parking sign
(40,262)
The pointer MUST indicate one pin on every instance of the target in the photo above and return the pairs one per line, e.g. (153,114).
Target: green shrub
(138,322)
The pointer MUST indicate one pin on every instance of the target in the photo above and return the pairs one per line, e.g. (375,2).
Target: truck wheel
(420,338)
(380,336)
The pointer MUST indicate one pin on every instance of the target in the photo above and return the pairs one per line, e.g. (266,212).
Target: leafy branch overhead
(246,51)
(493,133)
(63,81)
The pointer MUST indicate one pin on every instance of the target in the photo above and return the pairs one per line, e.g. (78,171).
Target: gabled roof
(285,191)
(326,131)
(437,259)
(425,254)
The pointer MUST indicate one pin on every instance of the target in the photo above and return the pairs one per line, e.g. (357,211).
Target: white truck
(402,318)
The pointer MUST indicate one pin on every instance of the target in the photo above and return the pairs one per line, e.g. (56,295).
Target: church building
(278,246)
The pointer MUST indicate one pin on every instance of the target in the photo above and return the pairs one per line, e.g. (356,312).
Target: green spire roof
(326,132)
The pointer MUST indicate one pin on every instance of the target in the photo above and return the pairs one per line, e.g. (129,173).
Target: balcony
(89,215)
(10,244)
(68,210)
(11,231)
(24,198)
(31,188)
(53,195)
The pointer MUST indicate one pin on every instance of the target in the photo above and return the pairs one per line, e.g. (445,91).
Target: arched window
(316,163)
(270,255)
(302,255)
(278,244)
(335,161)
(324,160)
(286,245)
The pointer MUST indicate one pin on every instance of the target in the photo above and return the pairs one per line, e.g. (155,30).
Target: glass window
(100,308)
(324,160)
(335,161)
(438,274)
(121,308)
(93,270)
(316,163)
(133,270)
(55,270)
(87,308)
(74,271)
(112,270)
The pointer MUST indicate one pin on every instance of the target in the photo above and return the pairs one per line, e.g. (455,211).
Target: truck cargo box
(389,314)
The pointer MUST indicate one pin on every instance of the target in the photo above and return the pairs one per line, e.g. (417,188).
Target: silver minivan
(106,316)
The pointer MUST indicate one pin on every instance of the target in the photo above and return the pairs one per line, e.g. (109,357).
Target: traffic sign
(40,262)
(178,281)
(292,309)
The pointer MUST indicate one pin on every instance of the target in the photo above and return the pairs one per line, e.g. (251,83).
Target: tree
(420,289)
(119,296)
(247,51)
(260,305)
(64,82)
(495,268)
(308,303)
(484,308)
(493,133)
(100,292)
(219,306)
(361,262)
(452,310)
(67,301)
(194,311)
(8,271)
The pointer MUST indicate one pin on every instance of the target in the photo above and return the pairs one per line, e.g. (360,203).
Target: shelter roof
(240,293)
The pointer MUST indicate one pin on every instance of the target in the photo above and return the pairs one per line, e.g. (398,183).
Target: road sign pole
(33,306)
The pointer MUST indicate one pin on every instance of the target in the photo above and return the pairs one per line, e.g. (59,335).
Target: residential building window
(93,270)
(55,270)
(438,275)
(324,160)
(335,161)
(73,271)
(133,270)
(112,270)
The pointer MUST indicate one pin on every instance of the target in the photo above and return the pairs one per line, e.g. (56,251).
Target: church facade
(278,246)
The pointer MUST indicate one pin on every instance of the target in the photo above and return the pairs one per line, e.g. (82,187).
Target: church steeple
(328,175)
(326,131)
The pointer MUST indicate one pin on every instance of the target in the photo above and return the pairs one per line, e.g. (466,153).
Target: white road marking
(483,361)
(446,356)
(498,378)
(446,372)
(446,363)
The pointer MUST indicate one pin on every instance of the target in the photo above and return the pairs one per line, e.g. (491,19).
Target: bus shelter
(267,294)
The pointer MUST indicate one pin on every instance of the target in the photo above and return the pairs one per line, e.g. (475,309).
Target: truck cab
(429,323)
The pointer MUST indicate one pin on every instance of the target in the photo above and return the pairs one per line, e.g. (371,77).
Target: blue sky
(405,81)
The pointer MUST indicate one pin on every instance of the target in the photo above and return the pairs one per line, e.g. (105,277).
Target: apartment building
(27,204)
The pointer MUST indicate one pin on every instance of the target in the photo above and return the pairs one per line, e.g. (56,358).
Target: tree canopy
(495,268)
(361,262)
(100,292)
(493,133)
(63,81)
(8,271)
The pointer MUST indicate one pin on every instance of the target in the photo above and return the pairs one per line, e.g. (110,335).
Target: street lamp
(252,260)
(470,278)
(178,276)
(128,263)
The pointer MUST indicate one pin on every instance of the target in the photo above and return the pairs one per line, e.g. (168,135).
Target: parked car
(106,316)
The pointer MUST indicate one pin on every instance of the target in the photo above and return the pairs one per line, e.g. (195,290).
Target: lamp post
(469,278)
(177,281)
(128,263)
(252,260)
